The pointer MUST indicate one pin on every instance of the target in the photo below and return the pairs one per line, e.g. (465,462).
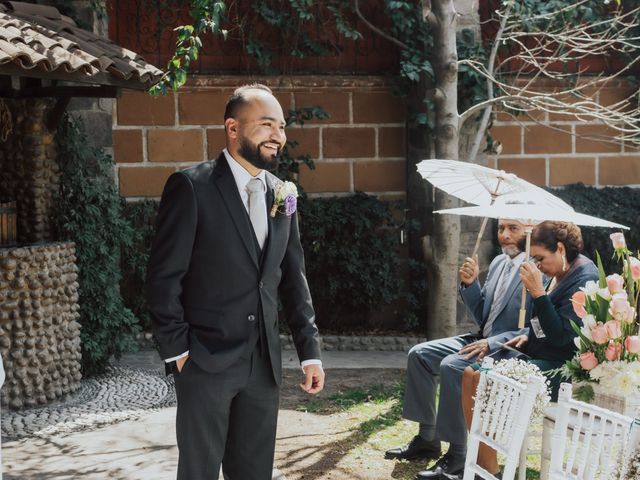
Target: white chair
(500,420)
(588,442)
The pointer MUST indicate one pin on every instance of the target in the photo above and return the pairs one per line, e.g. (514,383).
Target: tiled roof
(37,37)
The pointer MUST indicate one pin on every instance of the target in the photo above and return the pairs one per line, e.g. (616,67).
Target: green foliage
(289,166)
(619,204)
(89,213)
(583,393)
(141,216)
(351,251)
(207,15)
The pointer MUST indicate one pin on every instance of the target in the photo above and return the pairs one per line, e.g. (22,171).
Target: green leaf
(602,276)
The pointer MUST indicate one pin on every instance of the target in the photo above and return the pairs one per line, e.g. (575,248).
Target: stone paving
(122,393)
(120,425)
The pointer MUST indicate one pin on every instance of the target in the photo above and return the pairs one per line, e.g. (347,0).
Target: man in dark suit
(495,308)
(224,253)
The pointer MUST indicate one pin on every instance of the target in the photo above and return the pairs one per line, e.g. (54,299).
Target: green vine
(207,15)
(89,213)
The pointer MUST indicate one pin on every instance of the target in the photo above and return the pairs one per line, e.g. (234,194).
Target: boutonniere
(285,198)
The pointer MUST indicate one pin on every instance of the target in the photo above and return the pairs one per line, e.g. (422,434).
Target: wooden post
(8,223)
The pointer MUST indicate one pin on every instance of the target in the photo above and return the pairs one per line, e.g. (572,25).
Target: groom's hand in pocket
(180,363)
(314,379)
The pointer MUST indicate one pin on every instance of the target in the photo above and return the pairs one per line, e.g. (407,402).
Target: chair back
(588,442)
(500,419)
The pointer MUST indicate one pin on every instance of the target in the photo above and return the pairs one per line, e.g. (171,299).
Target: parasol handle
(480,233)
(523,301)
(494,195)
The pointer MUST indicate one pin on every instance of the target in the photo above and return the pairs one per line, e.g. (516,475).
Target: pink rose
(615,283)
(579,300)
(614,329)
(617,239)
(632,344)
(634,265)
(613,352)
(619,307)
(599,334)
(588,360)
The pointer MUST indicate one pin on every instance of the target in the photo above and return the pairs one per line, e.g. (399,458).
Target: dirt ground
(346,443)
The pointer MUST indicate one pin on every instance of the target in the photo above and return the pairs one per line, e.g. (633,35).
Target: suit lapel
(515,280)
(223,179)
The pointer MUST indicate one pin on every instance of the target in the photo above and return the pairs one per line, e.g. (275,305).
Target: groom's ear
(231,128)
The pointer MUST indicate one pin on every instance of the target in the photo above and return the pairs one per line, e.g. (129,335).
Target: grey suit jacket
(479,300)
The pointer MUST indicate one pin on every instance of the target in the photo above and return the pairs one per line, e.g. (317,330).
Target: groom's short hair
(240,97)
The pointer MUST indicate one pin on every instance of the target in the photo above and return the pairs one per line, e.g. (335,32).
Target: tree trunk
(443,244)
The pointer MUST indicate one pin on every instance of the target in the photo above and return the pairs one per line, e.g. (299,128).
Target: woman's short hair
(548,234)
(239,98)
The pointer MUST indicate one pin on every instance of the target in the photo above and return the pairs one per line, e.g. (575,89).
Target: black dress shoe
(448,467)
(418,447)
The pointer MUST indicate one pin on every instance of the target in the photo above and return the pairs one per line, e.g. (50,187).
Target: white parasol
(481,185)
(530,214)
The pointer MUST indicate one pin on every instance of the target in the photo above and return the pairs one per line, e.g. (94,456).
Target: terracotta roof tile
(39,37)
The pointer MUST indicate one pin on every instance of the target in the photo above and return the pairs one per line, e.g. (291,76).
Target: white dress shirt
(242,178)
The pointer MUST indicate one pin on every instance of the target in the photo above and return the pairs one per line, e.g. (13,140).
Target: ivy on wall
(88,212)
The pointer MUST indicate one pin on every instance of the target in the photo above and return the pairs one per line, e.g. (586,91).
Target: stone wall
(39,332)
(29,170)
(360,147)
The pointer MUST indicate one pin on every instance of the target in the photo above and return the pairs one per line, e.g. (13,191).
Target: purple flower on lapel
(290,204)
(285,198)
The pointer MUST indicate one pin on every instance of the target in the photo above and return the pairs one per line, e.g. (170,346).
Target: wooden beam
(97,79)
(56,114)
(61,91)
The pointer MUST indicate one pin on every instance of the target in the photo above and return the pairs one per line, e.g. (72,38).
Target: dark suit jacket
(207,286)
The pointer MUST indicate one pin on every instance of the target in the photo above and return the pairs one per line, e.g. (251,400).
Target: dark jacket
(554,312)
(208,287)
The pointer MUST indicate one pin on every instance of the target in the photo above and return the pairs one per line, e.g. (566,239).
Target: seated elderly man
(495,308)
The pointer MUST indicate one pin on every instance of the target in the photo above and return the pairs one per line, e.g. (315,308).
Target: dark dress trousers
(212,292)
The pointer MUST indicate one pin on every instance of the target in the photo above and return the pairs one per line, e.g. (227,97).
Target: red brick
(326,177)
(308,141)
(510,138)
(567,170)
(348,142)
(378,107)
(379,176)
(392,142)
(216,141)
(597,139)
(542,139)
(140,108)
(205,107)
(533,115)
(143,181)
(127,146)
(620,170)
(175,145)
(531,169)
(336,104)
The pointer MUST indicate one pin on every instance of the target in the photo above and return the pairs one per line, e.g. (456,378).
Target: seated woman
(555,252)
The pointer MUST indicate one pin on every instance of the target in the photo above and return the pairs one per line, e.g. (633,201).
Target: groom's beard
(252,154)
(511,250)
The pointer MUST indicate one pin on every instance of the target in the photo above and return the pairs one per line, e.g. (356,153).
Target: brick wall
(360,147)
(555,150)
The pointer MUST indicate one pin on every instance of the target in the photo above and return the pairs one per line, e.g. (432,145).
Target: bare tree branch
(356,5)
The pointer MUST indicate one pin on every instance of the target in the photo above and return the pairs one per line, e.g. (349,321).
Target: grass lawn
(373,417)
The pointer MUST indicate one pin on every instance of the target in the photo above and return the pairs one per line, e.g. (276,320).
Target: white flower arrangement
(520,371)
(618,376)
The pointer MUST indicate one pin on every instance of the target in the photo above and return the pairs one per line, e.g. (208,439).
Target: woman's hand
(532,279)
(517,342)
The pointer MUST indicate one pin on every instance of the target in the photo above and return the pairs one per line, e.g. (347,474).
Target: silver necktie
(498,299)
(258,209)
